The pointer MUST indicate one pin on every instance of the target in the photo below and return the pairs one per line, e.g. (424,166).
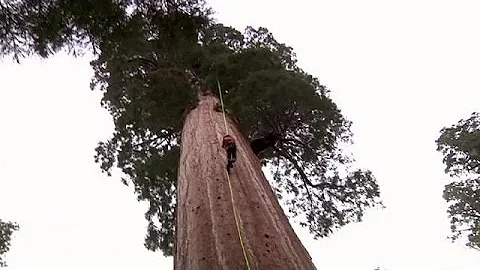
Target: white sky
(400,70)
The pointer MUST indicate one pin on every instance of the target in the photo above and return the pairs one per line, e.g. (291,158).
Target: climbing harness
(247,263)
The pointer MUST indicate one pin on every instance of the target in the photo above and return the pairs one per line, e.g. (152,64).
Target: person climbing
(231,148)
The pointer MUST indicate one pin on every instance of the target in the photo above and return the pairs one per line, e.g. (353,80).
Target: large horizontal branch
(144,60)
(295,142)
(299,169)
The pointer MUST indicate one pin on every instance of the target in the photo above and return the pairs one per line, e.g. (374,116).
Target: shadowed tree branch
(151,63)
(304,177)
(299,169)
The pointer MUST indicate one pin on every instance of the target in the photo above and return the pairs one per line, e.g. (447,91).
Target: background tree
(6,231)
(153,61)
(460,146)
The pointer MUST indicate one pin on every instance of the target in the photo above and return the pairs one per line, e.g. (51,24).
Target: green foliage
(153,59)
(6,231)
(149,89)
(45,27)
(143,49)
(460,146)
(270,94)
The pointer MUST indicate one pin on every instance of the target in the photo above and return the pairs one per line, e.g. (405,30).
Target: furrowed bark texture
(207,238)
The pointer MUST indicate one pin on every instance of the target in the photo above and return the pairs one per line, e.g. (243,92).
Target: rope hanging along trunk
(247,263)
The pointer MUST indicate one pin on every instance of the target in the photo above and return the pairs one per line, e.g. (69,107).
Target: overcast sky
(400,70)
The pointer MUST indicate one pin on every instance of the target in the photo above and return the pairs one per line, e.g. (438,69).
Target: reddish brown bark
(207,237)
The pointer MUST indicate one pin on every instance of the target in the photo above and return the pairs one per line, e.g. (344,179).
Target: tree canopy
(6,231)
(460,146)
(153,59)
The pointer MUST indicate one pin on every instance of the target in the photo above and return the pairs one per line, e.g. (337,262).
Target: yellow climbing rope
(230,185)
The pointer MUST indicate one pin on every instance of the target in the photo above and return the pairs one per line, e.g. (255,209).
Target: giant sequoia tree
(158,63)
(460,146)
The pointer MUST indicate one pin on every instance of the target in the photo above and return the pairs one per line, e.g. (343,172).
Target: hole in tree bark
(219,197)
(267,236)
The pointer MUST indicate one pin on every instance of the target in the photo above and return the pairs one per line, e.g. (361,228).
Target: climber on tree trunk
(231,148)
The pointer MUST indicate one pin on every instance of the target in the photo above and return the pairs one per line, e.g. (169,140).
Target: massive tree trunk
(207,237)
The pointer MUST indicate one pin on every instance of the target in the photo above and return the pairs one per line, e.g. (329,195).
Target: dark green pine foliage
(6,231)
(153,61)
(460,146)
(271,95)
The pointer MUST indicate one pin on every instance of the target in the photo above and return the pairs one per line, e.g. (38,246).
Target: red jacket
(227,140)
